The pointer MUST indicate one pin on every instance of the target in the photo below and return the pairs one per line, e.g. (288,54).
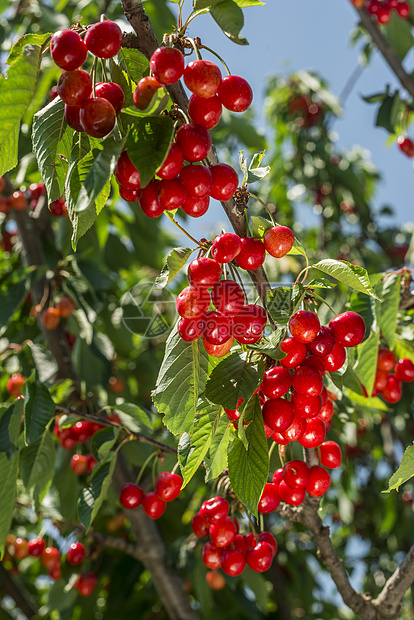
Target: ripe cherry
(327,411)
(305,405)
(270,498)
(233,562)
(167,64)
(91,460)
(168,486)
(270,539)
(295,352)
(403,9)
(406,145)
(392,391)
(293,497)
(197,180)
(380,382)
(192,302)
(51,318)
(74,87)
(18,201)
(204,272)
(68,49)
(223,533)
(278,476)
(35,547)
(319,481)
(235,93)
(153,506)
(194,141)
(4,205)
(200,526)
(58,207)
(145,90)
(55,572)
(79,464)
(296,429)
(226,247)
(196,207)
(214,509)
(111,92)
(211,555)
(335,359)
(252,254)
(314,434)
(218,327)
(173,163)
(278,414)
(249,324)
(205,111)
(76,553)
(66,306)
(349,328)
(218,350)
(149,200)
(260,557)
(323,343)
(97,117)
(296,474)
(386,360)
(104,39)
(14,384)
(171,194)
(81,430)
(331,455)
(225,181)
(21,548)
(190,329)
(383,15)
(67,438)
(314,362)
(228,297)
(72,117)
(306,380)
(276,382)
(131,496)
(404,370)
(215,580)
(86,584)
(278,241)
(304,326)
(202,77)
(50,557)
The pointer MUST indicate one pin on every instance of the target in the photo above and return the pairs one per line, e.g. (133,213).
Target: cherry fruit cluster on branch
(382,10)
(154,503)
(388,383)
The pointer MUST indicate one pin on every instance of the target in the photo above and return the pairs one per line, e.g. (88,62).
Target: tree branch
(18,593)
(389,600)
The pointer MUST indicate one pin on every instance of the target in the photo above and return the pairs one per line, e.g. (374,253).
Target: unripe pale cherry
(349,328)
(295,352)
(202,77)
(225,181)
(204,272)
(319,481)
(304,326)
(251,255)
(68,50)
(278,241)
(330,454)
(228,297)
(226,247)
(145,90)
(192,302)
(218,327)
(104,39)
(235,93)
(278,414)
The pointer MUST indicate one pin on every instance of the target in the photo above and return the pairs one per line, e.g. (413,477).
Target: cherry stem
(323,301)
(190,19)
(204,47)
(154,465)
(272,447)
(174,469)
(261,522)
(265,206)
(105,77)
(171,218)
(94,75)
(195,48)
(303,271)
(252,526)
(236,276)
(141,471)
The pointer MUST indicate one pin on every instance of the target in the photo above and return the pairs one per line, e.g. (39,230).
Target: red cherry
(223,533)
(331,455)
(228,297)
(200,526)
(171,194)
(74,87)
(380,382)
(296,474)
(403,10)
(202,77)
(214,509)
(211,555)
(324,394)
(319,481)
(392,391)
(383,15)
(349,328)
(278,476)
(79,464)
(149,200)
(323,343)
(307,381)
(270,499)
(406,145)
(192,302)
(130,195)
(58,207)
(226,247)
(293,497)
(260,557)
(86,584)
(14,384)
(55,572)
(326,412)
(51,318)
(167,64)
(104,39)
(215,580)
(276,382)
(4,206)
(205,111)
(225,181)
(173,163)
(374,7)
(18,201)
(196,207)
(296,429)
(235,93)
(168,486)
(76,553)
(190,329)
(335,359)
(131,496)
(305,405)
(111,92)
(295,352)
(270,539)
(314,434)
(218,350)
(153,506)
(218,327)
(386,360)
(72,117)
(145,90)
(197,180)
(204,272)
(278,241)
(304,326)
(97,117)
(21,548)
(68,49)
(35,547)
(314,362)
(66,306)
(50,557)
(91,460)
(249,324)
(81,430)
(278,414)
(194,141)
(233,562)
(404,370)
(251,255)
(67,438)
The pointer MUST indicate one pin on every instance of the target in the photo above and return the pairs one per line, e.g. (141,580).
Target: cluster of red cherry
(228,549)
(387,383)
(187,186)
(306,111)
(167,488)
(232,318)
(63,309)
(50,557)
(406,145)
(381,9)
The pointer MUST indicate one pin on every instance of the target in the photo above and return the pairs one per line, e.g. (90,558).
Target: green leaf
(388,112)
(321,283)
(37,466)
(157,105)
(92,497)
(403,348)
(180,381)
(256,160)
(354,276)
(121,78)
(404,472)
(148,144)
(269,345)
(10,422)
(387,310)
(398,33)
(134,411)
(366,366)
(230,18)
(283,301)
(8,481)
(52,139)
(103,441)
(216,459)
(244,4)
(234,378)
(369,403)
(193,448)
(16,93)
(249,469)
(12,296)
(39,409)
(257,174)
(175,260)
(138,64)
